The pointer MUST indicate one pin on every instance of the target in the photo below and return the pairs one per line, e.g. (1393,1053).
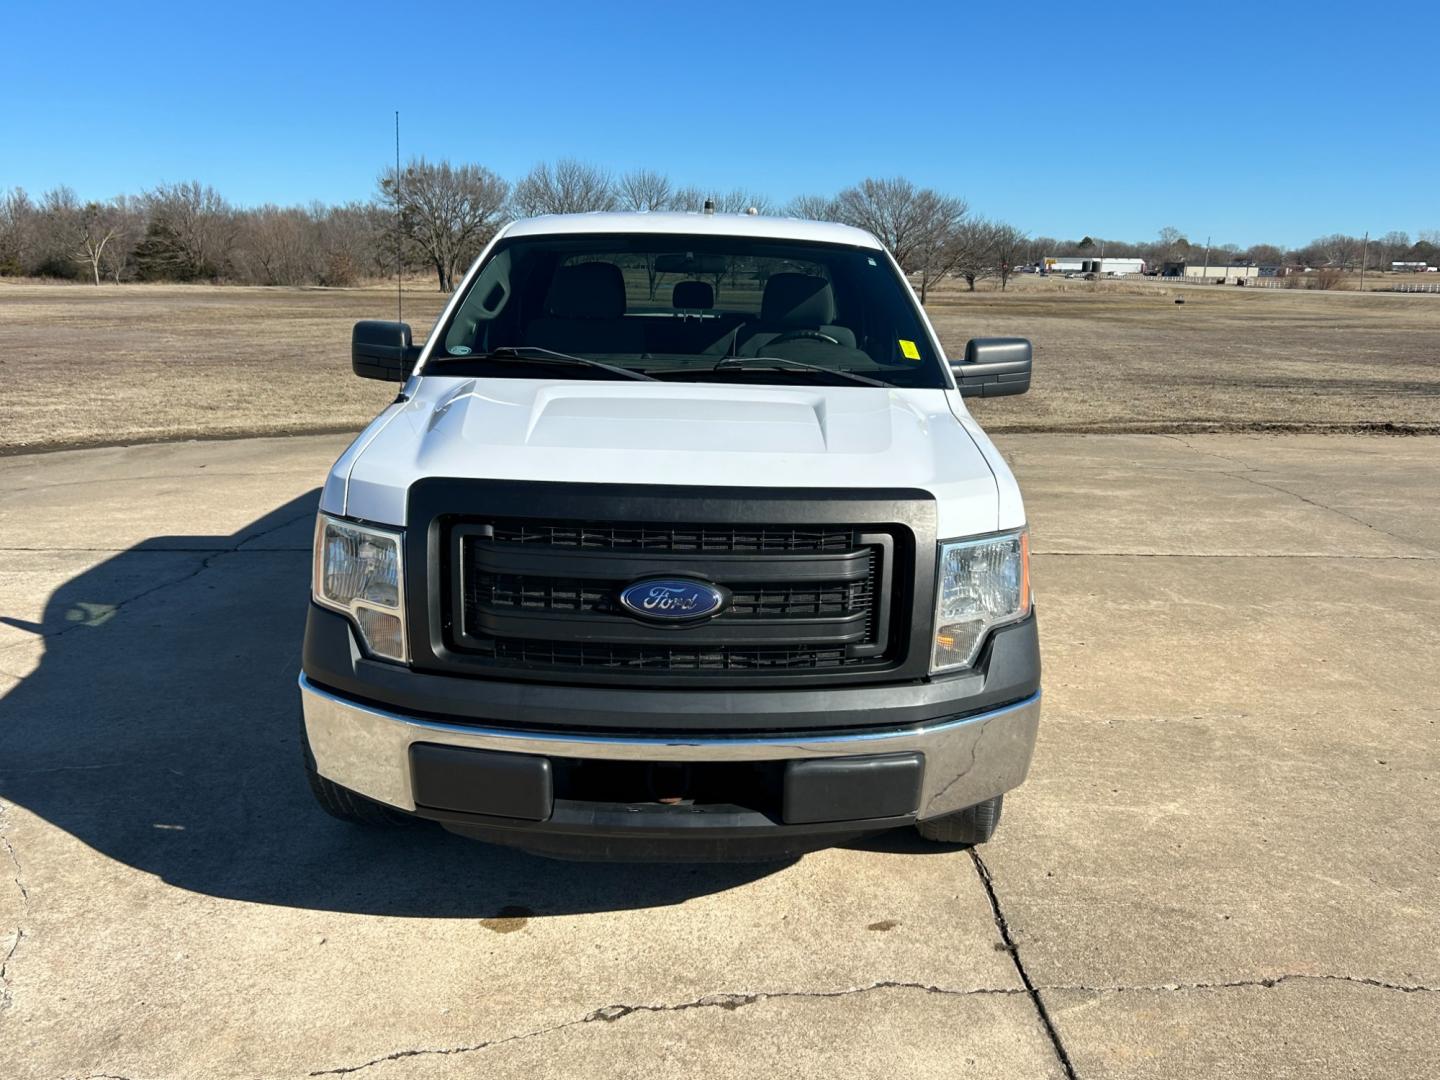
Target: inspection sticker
(908,350)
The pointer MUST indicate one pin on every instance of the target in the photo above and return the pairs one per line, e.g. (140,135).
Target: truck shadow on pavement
(161,728)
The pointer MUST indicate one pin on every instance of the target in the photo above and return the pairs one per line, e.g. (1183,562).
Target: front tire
(346,805)
(973,825)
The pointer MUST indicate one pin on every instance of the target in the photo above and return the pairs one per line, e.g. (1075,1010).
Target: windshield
(692,308)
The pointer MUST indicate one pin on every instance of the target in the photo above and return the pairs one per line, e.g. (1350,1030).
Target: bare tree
(1170,241)
(18,215)
(1008,244)
(567,187)
(356,240)
(1339,249)
(974,250)
(918,225)
(812,207)
(95,227)
(900,215)
(448,212)
(189,233)
(118,254)
(278,245)
(56,226)
(741,200)
(1264,255)
(644,189)
(935,252)
(1390,248)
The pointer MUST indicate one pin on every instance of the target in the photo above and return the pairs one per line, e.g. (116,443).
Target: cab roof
(695,224)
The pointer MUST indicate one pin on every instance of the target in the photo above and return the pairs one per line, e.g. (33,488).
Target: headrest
(797,300)
(689,295)
(592,290)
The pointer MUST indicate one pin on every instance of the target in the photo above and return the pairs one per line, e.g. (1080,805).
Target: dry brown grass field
(86,366)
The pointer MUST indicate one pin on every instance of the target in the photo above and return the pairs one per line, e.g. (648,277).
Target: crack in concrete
(609,1014)
(7,997)
(74,768)
(205,564)
(1267,983)
(196,474)
(1244,474)
(306,515)
(14,860)
(731,1001)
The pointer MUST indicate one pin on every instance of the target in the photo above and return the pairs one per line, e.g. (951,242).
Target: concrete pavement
(1224,864)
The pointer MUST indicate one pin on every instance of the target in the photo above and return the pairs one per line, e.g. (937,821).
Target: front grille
(543,595)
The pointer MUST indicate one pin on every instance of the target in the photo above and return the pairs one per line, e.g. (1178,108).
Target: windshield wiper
(536,354)
(740,362)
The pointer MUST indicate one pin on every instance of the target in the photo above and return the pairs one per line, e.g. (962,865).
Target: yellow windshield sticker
(908,350)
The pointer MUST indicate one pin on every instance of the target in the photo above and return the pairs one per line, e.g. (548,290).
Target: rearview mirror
(994,367)
(691,263)
(382,350)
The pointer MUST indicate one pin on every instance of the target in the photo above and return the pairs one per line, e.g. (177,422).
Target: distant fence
(1299,281)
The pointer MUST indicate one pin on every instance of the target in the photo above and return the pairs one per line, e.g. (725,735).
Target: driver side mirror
(382,350)
(994,367)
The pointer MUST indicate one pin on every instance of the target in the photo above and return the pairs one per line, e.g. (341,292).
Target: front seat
(794,302)
(585,313)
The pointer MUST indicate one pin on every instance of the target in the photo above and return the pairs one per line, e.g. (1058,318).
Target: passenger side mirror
(382,350)
(994,367)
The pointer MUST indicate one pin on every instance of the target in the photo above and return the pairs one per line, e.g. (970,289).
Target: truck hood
(668,433)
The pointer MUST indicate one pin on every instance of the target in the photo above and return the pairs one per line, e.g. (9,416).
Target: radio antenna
(399,295)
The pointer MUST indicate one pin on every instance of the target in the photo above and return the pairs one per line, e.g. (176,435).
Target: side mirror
(994,367)
(382,350)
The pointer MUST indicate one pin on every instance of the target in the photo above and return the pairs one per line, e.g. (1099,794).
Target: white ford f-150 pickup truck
(678,541)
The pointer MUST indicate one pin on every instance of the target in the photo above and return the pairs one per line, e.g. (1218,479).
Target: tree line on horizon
(436,216)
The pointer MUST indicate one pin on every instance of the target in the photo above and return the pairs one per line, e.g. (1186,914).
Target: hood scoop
(671,419)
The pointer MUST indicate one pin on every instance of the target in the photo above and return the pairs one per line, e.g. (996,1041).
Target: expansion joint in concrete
(1003,926)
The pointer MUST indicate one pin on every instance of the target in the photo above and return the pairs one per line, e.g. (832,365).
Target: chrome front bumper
(966,760)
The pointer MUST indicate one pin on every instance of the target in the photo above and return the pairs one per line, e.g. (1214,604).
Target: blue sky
(1274,121)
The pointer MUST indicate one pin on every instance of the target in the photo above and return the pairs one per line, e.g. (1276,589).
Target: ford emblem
(672,599)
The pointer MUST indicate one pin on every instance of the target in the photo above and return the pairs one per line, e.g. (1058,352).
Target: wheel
(341,802)
(973,825)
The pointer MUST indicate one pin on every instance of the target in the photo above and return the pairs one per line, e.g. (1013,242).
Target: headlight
(982,584)
(358,571)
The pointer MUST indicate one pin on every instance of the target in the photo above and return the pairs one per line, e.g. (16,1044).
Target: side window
(488,297)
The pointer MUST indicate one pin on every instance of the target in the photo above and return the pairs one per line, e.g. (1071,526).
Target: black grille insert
(542,595)
(683,538)
(522,592)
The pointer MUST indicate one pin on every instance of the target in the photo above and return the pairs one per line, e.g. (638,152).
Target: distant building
(1215,273)
(1106,267)
(1410,267)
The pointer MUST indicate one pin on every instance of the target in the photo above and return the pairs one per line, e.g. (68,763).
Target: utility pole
(1364,257)
(1205,278)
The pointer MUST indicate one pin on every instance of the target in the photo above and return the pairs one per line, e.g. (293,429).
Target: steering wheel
(802,335)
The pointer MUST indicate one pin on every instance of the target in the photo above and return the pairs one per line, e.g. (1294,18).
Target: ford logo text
(671,599)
